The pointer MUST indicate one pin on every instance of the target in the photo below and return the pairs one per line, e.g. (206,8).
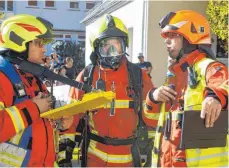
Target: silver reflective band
(11,155)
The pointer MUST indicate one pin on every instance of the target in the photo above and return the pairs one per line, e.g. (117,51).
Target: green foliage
(71,49)
(217,12)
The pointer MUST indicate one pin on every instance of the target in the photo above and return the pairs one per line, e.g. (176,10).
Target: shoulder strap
(88,74)
(135,81)
(18,86)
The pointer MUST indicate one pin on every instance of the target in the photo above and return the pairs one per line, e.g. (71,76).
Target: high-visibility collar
(188,61)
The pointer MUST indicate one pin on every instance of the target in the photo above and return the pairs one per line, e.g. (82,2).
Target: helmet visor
(111,47)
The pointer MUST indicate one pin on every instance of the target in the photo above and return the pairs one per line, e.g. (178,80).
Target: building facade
(141,19)
(65,15)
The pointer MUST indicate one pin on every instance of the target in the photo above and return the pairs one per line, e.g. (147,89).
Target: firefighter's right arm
(76,94)
(14,118)
(154,99)
(164,94)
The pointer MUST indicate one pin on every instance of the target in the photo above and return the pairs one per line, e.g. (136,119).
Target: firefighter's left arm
(217,83)
(216,93)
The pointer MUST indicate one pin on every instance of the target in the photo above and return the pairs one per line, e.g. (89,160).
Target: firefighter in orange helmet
(112,132)
(200,84)
(25,138)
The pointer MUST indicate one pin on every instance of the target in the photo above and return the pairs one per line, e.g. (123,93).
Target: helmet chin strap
(180,54)
(186,49)
(23,55)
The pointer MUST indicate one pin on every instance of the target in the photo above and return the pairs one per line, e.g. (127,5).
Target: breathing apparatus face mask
(110,51)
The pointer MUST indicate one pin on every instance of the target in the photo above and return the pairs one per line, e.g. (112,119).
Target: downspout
(6,9)
(144,28)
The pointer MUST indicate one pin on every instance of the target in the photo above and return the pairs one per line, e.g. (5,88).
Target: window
(32,3)
(221,44)
(49,4)
(81,37)
(58,35)
(2,5)
(10,5)
(67,36)
(74,4)
(90,5)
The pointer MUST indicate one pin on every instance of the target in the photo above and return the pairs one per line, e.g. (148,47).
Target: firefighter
(110,137)
(25,138)
(200,84)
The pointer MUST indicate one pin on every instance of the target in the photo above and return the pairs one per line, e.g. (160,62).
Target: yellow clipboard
(90,101)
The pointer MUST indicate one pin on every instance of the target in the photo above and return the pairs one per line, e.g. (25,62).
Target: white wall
(131,15)
(156,49)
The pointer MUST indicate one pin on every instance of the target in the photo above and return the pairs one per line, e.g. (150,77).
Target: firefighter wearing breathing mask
(112,132)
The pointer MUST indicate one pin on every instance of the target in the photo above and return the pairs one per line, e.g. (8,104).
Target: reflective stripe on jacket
(193,99)
(25,139)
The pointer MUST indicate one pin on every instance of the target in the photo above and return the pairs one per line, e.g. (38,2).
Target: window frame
(32,1)
(64,35)
(54,4)
(90,2)
(73,1)
(12,5)
(58,36)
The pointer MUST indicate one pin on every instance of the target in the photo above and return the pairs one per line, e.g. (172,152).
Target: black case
(196,135)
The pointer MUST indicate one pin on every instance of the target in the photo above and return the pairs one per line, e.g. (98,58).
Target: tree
(217,12)
(71,49)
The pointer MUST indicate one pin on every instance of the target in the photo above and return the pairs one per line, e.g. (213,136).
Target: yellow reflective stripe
(225,86)
(77,133)
(16,118)
(154,116)
(108,157)
(94,132)
(13,154)
(157,138)
(2,106)
(207,157)
(16,139)
(65,136)
(6,162)
(76,150)
(119,104)
(151,134)
(14,157)
(75,157)
(10,159)
(75,154)
(55,164)
(91,122)
(61,155)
